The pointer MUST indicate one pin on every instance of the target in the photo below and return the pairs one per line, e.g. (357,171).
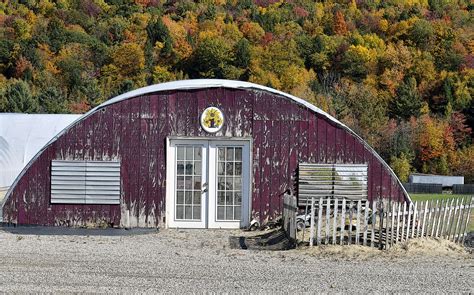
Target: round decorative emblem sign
(212,119)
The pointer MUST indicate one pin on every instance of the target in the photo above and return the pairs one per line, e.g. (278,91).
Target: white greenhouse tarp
(22,136)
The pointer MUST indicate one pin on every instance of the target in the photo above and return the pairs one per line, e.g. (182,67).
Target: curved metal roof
(200,84)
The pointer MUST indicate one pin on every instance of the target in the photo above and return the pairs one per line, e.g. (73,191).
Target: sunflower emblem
(212,119)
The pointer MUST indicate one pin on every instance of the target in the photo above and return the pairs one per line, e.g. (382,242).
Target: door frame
(170,175)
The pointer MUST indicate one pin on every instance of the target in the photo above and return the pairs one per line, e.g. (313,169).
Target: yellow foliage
(252,31)
(162,74)
(383,25)
(178,34)
(45,6)
(129,59)
(75,28)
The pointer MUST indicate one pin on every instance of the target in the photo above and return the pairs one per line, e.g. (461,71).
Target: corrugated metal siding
(85,182)
(134,132)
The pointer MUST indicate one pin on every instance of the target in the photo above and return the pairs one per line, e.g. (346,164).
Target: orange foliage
(435,139)
(340,26)
(79,107)
(21,65)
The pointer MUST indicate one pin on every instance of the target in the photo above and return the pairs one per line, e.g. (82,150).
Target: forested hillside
(400,73)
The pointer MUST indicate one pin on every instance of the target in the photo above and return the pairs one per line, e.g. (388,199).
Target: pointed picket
(343,221)
(320,221)
(423,226)
(328,219)
(415,221)
(374,220)
(408,221)
(392,236)
(366,222)
(334,226)
(358,222)
(443,225)
(311,230)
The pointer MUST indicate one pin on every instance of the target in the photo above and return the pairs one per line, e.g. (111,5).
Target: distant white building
(445,180)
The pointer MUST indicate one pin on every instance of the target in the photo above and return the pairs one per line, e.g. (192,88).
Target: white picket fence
(383,223)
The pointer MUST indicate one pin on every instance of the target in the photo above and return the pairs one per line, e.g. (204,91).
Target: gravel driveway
(186,261)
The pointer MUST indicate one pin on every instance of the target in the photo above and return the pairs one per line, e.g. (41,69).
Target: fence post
(289,215)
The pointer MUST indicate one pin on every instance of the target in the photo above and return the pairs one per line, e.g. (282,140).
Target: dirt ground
(190,261)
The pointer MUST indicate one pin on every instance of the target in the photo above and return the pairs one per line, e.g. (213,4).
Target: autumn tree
(339,26)
(129,60)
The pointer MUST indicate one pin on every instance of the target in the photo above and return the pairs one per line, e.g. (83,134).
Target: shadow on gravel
(274,240)
(67,231)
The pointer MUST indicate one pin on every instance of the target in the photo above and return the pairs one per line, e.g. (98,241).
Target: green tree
(52,100)
(18,98)
(407,102)
(211,58)
(421,33)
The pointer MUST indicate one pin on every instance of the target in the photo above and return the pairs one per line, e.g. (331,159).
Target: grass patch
(426,197)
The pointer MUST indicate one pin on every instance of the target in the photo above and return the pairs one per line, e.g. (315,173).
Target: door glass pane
(197,212)
(188,182)
(229,183)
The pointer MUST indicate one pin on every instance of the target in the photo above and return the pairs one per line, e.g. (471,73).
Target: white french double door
(208,183)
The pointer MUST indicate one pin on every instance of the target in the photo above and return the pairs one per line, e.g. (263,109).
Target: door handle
(204,187)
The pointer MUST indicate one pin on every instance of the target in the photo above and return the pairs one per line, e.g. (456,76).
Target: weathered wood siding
(134,131)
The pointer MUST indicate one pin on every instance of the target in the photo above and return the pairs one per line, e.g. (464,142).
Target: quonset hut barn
(195,154)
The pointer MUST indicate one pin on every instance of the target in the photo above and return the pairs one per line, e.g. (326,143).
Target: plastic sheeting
(22,136)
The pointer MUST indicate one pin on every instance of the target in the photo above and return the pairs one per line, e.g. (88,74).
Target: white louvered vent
(332,180)
(85,182)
